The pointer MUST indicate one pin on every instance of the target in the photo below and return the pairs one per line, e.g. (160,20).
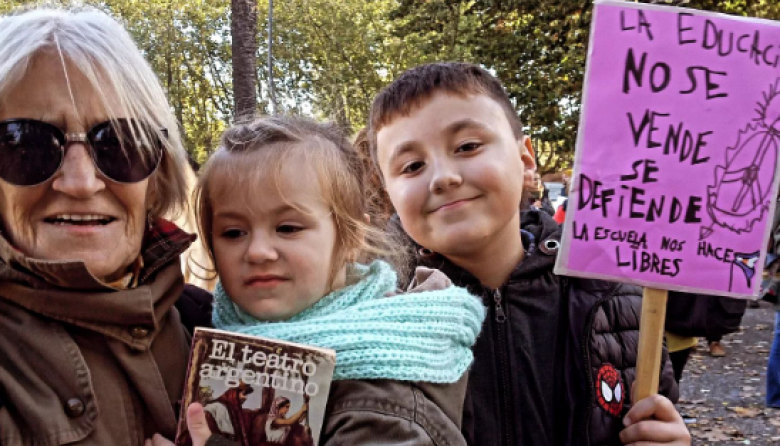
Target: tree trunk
(243,29)
(341,117)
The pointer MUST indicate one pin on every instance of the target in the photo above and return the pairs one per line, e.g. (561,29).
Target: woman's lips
(88,228)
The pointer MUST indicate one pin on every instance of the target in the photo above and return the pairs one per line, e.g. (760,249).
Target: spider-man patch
(609,389)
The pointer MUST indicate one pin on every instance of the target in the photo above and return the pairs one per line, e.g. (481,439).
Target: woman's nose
(78,176)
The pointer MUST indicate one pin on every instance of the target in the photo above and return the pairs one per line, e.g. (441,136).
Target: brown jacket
(82,363)
(381,412)
(388,412)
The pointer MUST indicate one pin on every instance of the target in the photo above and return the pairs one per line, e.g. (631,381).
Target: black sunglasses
(32,151)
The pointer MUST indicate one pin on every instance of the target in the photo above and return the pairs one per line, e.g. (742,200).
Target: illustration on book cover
(257,391)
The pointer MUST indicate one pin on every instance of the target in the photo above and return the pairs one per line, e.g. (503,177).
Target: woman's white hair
(102,50)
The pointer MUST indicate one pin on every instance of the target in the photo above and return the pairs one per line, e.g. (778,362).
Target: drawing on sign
(741,193)
(746,264)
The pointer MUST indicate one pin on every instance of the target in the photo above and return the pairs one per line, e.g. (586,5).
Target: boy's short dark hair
(420,83)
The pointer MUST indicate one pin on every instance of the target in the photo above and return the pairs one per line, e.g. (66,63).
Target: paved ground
(724,397)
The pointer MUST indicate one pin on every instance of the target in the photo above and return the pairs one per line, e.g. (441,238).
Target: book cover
(257,391)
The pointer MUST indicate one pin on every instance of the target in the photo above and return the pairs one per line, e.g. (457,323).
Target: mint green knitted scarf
(421,336)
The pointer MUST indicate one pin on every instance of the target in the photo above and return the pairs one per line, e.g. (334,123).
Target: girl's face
(273,250)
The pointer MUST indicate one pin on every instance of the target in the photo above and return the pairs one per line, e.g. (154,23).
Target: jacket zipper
(500,315)
(503,366)
(589,381)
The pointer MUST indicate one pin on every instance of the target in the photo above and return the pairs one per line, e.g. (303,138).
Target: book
(257,391)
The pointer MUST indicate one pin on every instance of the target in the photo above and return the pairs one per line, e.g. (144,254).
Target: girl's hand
(158,440)
(196,425)
(654,420)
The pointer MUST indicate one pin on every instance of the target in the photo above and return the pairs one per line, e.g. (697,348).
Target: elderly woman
(92,348)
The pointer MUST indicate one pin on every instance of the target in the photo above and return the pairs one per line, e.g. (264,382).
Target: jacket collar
(66,291)
(541,239)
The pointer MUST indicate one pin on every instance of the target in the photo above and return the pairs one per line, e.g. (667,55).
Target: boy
(555,360)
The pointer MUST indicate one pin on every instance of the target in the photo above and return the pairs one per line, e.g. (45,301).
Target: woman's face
(283,410)
(78,214)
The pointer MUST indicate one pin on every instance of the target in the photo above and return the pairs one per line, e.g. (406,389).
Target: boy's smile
(454,170)
(455,204)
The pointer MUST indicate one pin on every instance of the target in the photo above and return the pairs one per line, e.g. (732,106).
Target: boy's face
(454,172)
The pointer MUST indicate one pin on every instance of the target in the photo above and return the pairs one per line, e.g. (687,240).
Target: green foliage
(328,56)
(766,9)
(538,52)
(187,43)
(537,49)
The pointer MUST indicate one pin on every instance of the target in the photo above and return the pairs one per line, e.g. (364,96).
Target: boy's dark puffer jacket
(598,324)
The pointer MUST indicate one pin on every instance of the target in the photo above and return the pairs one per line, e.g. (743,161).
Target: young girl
(282,210)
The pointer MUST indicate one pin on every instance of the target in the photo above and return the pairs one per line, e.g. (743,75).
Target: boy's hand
(654,420)
(196,425)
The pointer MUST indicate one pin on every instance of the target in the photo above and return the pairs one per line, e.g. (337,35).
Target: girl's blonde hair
(339,169)
(100,48)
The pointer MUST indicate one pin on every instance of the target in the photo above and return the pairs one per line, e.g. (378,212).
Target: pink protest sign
(676,170)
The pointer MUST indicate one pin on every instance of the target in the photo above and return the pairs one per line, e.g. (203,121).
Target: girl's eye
(232,234)
(413,167)
(469,147)
(289,229)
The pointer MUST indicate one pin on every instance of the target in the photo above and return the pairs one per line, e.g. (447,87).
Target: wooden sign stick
(651,340)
